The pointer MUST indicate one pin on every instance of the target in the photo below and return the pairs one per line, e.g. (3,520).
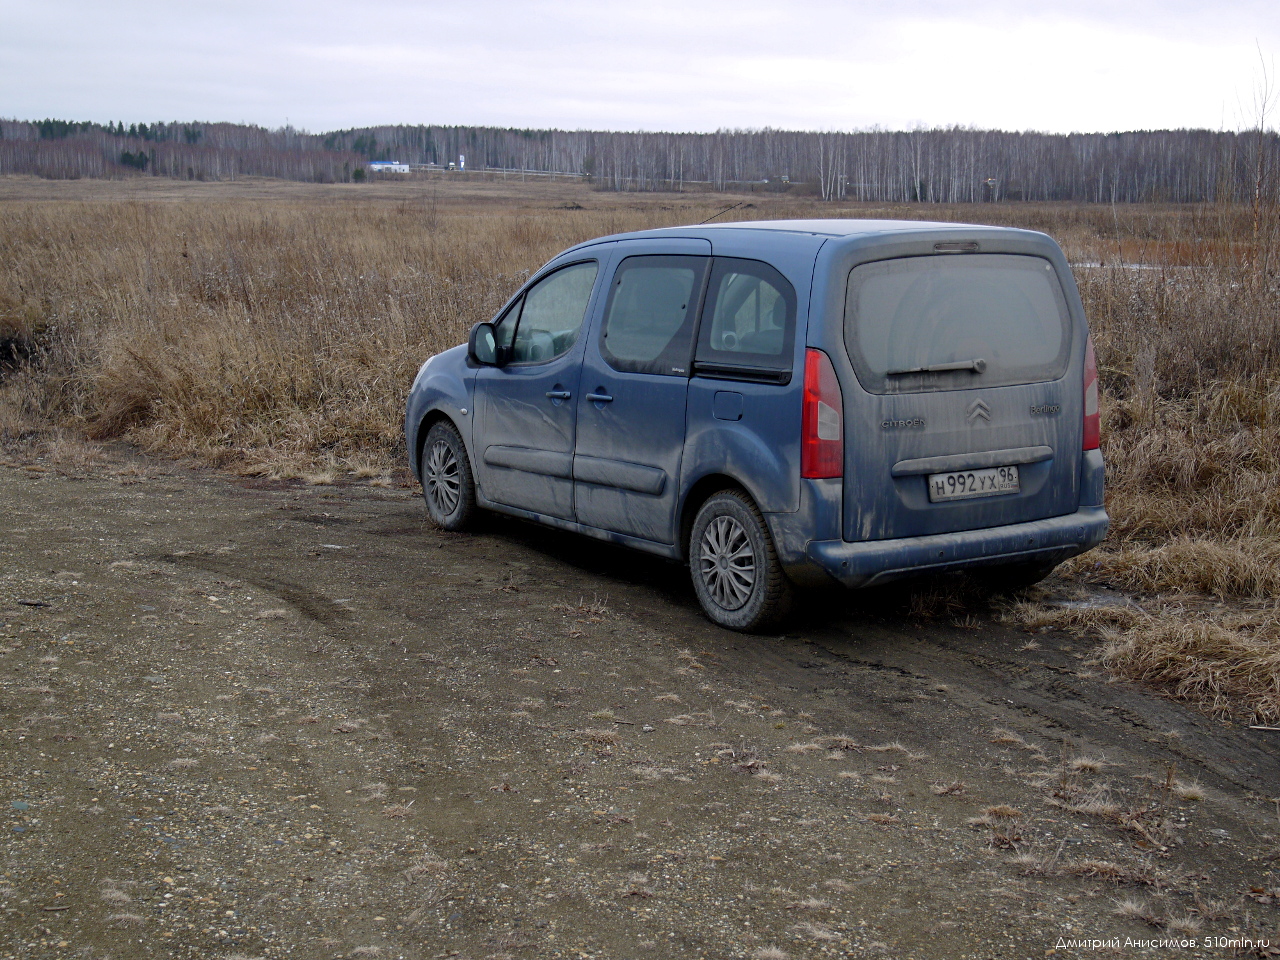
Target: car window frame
(516,306)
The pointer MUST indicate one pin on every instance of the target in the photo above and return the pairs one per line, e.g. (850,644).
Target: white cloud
(663,65)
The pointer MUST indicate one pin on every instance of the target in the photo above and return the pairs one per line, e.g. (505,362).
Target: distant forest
(931,166)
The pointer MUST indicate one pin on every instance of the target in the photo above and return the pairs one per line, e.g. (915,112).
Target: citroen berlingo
(782,404)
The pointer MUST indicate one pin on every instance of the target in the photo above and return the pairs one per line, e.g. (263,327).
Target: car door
(961,417)
(526,409)
(635,382)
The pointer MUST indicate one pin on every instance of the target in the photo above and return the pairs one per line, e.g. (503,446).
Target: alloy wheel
(443,483)
(727,562)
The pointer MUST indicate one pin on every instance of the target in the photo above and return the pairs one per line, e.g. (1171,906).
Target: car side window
(649,321)
(549,316)
(750,316)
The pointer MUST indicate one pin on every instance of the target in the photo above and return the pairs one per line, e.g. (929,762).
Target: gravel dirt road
(255,719)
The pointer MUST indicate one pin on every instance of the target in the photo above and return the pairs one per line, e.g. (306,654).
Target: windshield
(918,324)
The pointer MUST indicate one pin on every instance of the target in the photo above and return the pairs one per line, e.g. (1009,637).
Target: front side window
(750,317)
(653,304)
(546,320)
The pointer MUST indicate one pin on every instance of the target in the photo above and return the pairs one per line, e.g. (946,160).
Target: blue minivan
(781,404)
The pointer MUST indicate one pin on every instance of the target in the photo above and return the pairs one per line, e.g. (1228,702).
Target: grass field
(274,328)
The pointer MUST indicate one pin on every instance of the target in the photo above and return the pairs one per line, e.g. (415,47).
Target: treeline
(65,150)
(932,166)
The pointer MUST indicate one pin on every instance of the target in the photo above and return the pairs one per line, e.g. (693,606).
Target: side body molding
(546,463)
(618,473)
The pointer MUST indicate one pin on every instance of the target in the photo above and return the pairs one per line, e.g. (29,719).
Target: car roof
(771,233)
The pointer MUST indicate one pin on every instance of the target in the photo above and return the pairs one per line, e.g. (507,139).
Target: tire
(734,567)
(448,486)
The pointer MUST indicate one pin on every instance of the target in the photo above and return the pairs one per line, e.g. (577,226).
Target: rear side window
(749,322)
(653,304)
(996,319)
(547,319)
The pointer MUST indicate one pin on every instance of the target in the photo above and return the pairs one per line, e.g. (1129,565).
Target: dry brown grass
(277,337)
(1229,663)
(1224,659)
(274,328)
(1240,568)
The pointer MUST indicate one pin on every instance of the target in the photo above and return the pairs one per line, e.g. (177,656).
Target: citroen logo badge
(978,409)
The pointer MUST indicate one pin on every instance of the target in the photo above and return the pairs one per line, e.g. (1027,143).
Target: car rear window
(1001,318)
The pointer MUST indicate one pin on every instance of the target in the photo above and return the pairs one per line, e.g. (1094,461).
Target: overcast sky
(652,65)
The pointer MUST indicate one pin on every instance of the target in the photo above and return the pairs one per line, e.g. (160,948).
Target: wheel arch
(429,420)
(703,490)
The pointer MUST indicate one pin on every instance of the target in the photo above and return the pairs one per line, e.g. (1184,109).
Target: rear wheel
(734,567)
(447,484)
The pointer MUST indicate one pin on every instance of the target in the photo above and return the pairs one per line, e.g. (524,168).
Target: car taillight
(1092,416)
(822,429)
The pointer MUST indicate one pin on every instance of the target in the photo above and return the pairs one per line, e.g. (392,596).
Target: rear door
(962,416)
(634,389)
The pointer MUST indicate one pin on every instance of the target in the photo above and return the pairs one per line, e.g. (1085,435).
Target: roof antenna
(725,210)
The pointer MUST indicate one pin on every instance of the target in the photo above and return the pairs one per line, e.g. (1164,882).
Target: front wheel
(447,483)
(735,569)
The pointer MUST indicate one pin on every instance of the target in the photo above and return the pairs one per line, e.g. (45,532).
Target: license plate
(967,484)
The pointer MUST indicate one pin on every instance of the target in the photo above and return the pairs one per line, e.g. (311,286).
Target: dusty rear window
(992,319)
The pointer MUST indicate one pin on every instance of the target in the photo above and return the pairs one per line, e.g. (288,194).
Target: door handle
(599,398)
(558,394)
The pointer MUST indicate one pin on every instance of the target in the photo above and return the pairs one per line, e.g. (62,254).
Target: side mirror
(482,344)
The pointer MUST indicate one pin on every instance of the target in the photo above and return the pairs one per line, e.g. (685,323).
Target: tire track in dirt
(1064,705)
(1044,687)
(519,743)
(314,606)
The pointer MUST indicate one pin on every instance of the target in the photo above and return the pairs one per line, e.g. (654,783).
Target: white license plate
(967,484)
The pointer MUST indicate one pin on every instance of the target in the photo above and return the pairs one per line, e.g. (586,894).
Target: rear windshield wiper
(977,366)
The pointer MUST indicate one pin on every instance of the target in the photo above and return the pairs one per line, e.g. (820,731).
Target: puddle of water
(1095,265)
(1099,601)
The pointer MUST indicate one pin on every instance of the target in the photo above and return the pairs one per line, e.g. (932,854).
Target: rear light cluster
(1092,416)
(822,427)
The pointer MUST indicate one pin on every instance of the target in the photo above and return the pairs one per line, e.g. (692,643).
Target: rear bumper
(878,561)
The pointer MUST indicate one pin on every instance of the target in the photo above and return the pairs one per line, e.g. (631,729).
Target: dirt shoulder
(262,719)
